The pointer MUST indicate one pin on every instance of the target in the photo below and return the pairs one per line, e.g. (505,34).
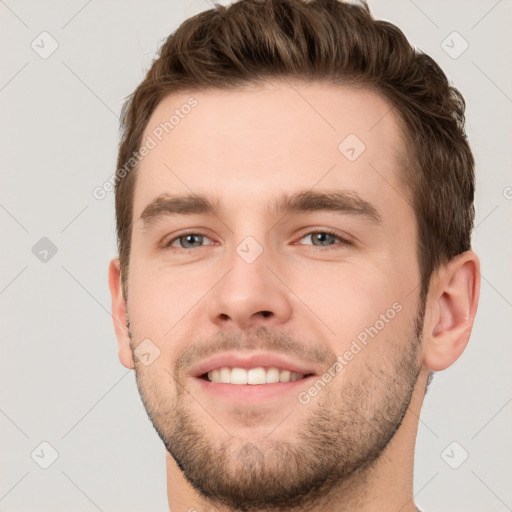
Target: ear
(119,315)
(450,312)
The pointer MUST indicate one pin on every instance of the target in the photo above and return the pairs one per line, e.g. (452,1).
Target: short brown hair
(321,40)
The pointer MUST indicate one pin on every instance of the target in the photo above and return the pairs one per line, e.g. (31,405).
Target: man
(294,203)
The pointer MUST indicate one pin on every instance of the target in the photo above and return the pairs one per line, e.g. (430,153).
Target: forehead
(250,144)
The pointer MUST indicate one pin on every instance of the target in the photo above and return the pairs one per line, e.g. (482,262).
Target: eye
(186,241)
(324,239)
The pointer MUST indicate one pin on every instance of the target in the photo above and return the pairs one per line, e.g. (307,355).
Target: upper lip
(252,360)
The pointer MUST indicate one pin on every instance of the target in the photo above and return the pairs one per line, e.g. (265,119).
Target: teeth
(284,375)
(253,376)
(238,376)
(272,376)
(225,375)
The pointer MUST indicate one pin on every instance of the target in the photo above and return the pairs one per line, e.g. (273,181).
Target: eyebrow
(307,201)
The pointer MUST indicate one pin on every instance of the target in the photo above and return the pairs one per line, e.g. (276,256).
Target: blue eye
(323,236)
(322,239)
(190,241)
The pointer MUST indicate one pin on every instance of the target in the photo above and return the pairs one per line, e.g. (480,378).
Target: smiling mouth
(252,376)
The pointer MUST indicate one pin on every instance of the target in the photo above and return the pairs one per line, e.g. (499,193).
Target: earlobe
(452,305)
(119,315)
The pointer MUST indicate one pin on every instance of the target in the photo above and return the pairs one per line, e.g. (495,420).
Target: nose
(250,295)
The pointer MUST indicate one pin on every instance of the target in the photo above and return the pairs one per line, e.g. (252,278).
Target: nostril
(266,313)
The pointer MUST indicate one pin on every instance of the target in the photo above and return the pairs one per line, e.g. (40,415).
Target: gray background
(61,381)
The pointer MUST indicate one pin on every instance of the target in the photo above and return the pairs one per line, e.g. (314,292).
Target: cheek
(348,297)
(149,300)
(368,311)
(162,300)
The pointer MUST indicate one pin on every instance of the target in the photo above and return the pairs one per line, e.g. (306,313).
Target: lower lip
(253,393)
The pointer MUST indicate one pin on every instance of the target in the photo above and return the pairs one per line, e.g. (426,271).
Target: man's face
(256,280)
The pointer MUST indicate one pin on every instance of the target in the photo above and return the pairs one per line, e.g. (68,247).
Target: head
(259,127)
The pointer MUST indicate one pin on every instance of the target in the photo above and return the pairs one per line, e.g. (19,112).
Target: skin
(357,436)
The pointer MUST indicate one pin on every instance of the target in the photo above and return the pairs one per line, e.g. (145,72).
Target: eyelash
(343,240)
